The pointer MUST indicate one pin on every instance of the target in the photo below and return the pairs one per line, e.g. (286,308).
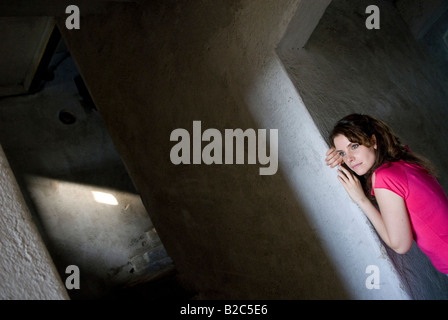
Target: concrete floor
(61,169)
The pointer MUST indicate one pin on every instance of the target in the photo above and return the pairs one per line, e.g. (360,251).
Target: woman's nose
(349,157)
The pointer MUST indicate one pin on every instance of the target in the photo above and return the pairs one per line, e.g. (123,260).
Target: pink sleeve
(392,178)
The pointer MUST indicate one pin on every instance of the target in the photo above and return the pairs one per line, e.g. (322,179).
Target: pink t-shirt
(427,205)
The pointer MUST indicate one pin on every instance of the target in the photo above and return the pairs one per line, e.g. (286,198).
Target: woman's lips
(356,165)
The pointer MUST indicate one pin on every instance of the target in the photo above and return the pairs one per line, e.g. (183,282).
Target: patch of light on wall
(106,198)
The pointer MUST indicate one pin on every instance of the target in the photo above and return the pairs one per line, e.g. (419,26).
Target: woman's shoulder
(398,165)
(399,170)
(391,166)
(392,176)
(394,170)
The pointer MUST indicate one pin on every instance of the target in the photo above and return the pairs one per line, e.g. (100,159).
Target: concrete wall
(231,232)
(420,15)
(436,40)
(345,68)
(26,269)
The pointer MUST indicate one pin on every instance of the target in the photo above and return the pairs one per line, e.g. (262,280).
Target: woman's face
(359,158)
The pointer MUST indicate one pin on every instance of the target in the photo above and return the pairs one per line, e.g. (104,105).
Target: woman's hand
(352,185)
(333,158)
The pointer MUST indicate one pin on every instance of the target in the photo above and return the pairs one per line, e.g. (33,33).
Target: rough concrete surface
(27,271)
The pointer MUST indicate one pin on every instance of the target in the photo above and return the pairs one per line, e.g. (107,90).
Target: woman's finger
(344,184)
(332,154)
(343,176)
(350,176)
(336,162)
(347,173)
(333,159)
(330,151)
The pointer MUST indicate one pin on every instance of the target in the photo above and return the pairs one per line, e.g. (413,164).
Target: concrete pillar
(346,68)
(26,269)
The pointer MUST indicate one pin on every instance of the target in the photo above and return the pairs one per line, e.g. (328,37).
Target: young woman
(412,204)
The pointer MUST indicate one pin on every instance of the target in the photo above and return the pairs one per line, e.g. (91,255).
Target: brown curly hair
(360,128)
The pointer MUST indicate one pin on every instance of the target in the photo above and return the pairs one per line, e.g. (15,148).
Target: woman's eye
(342,154)
(355,146)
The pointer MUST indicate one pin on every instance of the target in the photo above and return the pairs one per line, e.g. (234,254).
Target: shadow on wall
(346,68)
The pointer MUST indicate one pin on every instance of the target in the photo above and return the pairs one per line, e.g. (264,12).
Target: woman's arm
(391,222)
